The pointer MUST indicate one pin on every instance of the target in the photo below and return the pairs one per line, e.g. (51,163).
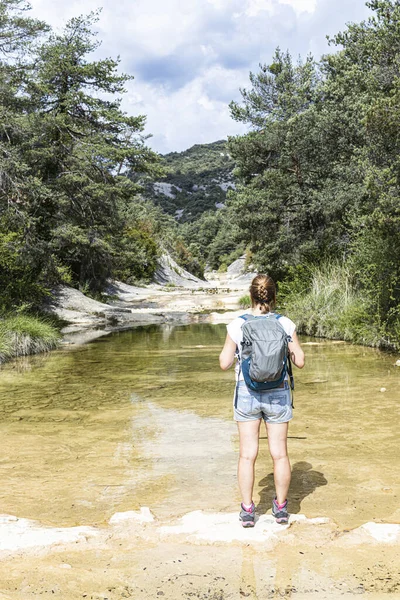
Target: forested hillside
(311,194)
(196,180)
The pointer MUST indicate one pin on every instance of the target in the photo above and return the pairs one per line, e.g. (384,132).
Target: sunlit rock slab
(22,534)
(370,533)
(225,528)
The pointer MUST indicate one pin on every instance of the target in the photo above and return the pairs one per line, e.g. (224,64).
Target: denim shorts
(274,406)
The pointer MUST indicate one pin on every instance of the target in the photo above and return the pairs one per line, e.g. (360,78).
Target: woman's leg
(277,442)
(248,439)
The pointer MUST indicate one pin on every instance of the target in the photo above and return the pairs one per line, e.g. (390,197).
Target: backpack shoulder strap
(245,317)
(289,366)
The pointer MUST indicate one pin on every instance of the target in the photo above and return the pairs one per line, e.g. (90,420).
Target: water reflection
(144,418)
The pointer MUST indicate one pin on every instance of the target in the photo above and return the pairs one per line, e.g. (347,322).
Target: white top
(236,334)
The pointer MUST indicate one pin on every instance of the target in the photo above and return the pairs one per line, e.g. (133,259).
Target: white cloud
(187,116)
(301,5)
(190,58)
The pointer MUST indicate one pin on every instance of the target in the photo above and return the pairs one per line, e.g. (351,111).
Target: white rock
(224,527)
(226,185)
(168,271)
(382,532)
(142,516)
(161,187)
(17,534)
(178,213)
(382,389)
(397,363)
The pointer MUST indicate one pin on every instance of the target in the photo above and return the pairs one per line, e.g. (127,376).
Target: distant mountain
(197,180)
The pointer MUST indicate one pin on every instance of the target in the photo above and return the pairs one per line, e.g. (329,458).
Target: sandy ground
(203,555)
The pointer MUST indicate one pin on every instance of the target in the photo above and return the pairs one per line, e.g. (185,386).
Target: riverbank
(325,303)
(127,306)
(176,297)
(22,335)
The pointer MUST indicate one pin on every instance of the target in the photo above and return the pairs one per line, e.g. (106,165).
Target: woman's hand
(296,352)
(227,355)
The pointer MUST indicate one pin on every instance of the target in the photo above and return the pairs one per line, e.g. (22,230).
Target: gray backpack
(265,359)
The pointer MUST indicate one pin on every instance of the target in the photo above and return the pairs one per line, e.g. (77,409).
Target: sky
(190,58)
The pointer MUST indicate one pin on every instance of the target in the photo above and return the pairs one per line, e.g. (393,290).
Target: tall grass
(245,302)
(332,307)
(22,335)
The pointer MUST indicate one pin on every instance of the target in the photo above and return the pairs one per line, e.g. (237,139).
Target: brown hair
(263,292)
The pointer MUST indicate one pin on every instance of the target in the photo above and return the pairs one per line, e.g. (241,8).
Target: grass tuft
(245,302)
(332,308)
(22,335)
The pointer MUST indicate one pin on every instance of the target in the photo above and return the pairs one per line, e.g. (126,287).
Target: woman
(272,406)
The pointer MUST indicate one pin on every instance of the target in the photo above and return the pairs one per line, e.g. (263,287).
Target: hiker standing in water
(264,344)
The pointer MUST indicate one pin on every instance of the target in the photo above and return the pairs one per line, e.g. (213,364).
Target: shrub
(245,302)
(22,335)
(332,307)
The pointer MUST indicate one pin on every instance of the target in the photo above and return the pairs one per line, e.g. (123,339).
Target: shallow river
(144,418)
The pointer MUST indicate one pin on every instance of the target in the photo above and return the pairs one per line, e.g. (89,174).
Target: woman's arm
(296,353)
(227,355)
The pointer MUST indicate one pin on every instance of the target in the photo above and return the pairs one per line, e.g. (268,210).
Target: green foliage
(22,335)
(291,202)
(21,277)
(66,148)
(245,302)
(137,254)
(319,179)
(194,179)
(212,239)
(332,307)
(17,31)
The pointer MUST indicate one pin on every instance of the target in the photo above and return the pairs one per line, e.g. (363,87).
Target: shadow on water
(304,481)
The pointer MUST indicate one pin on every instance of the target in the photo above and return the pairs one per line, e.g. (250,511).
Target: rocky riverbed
(174,297)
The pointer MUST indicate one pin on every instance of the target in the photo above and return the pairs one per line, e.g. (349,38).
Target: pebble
(383,389)
(397,363)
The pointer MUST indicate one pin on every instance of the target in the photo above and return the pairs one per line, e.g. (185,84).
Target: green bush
(22,335)
(136,255)
(245,302)
(332,307)
(21,276)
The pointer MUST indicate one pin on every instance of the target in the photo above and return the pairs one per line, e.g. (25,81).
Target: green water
(144,418)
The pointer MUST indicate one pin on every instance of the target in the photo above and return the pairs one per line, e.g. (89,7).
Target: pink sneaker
(280,512)
(247,516)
